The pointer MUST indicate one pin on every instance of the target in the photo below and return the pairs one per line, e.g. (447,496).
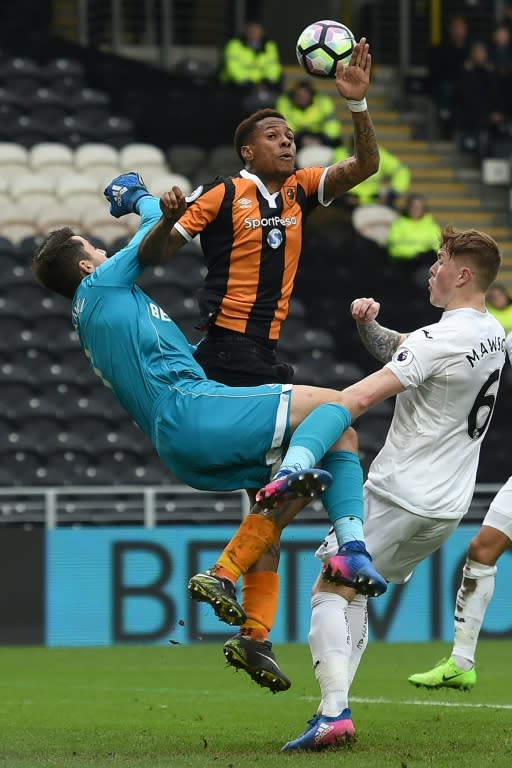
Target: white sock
(330,644)
(357,613)
(473,597)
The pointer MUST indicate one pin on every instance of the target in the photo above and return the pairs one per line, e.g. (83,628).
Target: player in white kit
(420,485)
(475,591)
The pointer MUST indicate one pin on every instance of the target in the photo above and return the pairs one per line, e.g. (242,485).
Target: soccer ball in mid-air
(321,45)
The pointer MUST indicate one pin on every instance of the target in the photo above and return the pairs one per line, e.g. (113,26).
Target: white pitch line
(419,703)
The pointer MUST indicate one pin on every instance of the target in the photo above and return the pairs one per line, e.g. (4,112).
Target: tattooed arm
(380,342)
(352,83)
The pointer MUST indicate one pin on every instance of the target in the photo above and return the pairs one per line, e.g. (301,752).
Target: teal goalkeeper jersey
(133,345)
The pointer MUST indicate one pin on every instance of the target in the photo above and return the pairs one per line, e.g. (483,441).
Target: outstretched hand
(364,311)
(353,79)
(173,203)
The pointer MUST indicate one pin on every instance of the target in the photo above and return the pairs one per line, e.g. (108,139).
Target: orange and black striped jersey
(252,240)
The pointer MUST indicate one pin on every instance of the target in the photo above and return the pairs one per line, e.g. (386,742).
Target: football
(321,45)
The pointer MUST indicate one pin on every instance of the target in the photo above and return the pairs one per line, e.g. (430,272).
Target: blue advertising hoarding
(129,585)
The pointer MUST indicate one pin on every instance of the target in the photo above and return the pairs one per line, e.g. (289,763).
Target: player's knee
(484,548)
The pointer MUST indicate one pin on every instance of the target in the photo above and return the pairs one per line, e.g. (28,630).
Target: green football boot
(446,674)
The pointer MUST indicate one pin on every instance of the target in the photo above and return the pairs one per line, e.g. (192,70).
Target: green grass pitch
(177,706)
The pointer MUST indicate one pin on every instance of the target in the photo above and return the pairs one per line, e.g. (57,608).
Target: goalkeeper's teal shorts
(220,438)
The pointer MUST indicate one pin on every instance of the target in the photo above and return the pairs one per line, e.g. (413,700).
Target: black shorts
(240,361)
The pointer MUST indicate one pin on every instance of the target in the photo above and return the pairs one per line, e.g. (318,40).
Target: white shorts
(499,514)
(396,539)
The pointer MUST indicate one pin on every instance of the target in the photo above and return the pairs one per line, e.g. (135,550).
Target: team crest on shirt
(290,195)
(403,357)
(275,238)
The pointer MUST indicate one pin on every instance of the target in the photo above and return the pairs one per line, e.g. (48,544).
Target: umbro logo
(244,202)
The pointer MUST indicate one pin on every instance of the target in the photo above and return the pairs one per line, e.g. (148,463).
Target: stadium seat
(99,161)
(78,186)
(186,159)
(30,358)
(27,408)
(102,174)
(90,105)
(23,468)
(33,186)
(21,74)
(15,224)
(14,159)
(317,155)
(116,130)
(96,220)
(118,243)
(12,105)
(51,158)
(307,373)
(47,105)
(222,161)
(28,130)
(374,221)
(147,473)
(159,183)
(8,253)
(64,74)
(27,245)
(59,215)
(136,154)
(73,131)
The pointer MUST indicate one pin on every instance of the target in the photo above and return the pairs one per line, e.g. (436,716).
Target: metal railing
(150,506)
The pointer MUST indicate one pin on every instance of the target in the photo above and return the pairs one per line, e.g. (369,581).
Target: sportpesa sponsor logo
(273,221)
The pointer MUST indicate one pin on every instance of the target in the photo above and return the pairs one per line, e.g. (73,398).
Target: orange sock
(260,599)
(254,536)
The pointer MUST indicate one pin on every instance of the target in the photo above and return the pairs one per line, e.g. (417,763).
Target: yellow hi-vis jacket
(319,118)
(243,64)
(392,175)
(408,237)
(503,316)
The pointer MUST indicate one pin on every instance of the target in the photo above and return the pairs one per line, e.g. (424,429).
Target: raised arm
(380,342)
(352,82)
(163,240)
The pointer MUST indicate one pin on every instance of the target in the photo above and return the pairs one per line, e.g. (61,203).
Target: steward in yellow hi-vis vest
(251,59)
(310,115)
(415,233)
(391,181)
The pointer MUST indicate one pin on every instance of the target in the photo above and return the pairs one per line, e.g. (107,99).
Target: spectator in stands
(311,115)
(480,105)
(499,304)
(500,50)
(506,18)
(251,58)
(251,61)
(413,239)
(251,229)
(385,187)
(445,65)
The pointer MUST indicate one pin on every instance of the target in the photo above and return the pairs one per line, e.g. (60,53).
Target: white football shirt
(451,371)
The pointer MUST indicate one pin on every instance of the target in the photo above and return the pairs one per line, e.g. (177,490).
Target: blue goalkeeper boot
(124,192)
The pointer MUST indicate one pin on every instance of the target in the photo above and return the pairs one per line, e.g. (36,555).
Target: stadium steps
(450,182)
